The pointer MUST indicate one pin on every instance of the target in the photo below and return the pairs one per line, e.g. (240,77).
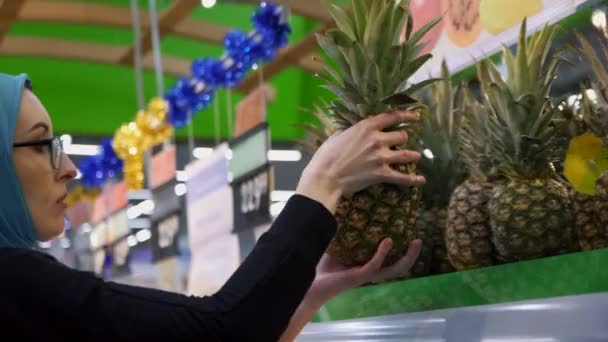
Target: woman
(269,296)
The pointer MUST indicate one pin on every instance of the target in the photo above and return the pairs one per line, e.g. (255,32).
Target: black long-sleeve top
(42,298)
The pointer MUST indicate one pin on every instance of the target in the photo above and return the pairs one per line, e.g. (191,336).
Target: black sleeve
(40,295)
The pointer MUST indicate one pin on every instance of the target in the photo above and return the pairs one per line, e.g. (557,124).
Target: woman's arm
(333,279)
(40,295)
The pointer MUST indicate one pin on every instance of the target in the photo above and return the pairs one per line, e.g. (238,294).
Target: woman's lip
(62,198)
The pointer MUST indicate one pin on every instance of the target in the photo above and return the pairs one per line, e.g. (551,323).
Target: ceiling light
(276,208)
(143,235)
(284,155)
(181,176)
(208,3)
(428,154)
(180,189)
(131,241)
(81,149)
(201,152)
(598,19)
(66,139)
(281,195)
(147,207)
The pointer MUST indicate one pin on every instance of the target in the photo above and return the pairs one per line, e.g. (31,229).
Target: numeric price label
(251,196)
(165,232)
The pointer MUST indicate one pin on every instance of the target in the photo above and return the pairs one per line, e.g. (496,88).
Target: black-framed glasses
(54,144)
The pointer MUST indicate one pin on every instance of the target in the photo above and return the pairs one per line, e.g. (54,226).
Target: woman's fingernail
(421,179)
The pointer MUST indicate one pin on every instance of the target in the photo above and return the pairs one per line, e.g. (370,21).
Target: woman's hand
(333,278)
(358,157)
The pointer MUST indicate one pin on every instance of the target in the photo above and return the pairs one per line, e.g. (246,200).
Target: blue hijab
(16,227)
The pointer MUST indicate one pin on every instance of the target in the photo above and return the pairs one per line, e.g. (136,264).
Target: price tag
(164,237)
(120,258)
(120,253)
(249,151)
(251,195)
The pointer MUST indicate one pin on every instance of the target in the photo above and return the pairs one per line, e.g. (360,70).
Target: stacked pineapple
(369,72)
(591,117)
(582,120)
(468,232)
(441,165)
(530,211)
(598,113)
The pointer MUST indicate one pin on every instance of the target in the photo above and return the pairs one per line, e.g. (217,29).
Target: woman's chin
(51,232)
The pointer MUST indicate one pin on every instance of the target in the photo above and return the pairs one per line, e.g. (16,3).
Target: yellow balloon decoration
(152,121)
(133,140)
(584,163)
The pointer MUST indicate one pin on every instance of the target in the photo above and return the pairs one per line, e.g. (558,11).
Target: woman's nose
(67,170)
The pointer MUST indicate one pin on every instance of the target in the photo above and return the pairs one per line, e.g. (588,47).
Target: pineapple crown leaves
(597,112)
(597,65)
(476,131)
(370,68)
(584,115)
(315,134)
(439,133)
(525,133)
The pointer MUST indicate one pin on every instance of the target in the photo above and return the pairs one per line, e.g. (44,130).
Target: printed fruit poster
(473,29)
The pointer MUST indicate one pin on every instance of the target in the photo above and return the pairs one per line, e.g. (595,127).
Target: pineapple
(441,165)
(591,234)
(369,71)
(531,213)
(315,137)
(598,116)
(468,232)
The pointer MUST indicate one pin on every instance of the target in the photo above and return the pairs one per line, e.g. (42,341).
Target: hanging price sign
(164,237)
(251,196)
(120,258)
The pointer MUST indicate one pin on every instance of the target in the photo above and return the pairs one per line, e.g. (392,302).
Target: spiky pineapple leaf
(339,92)
(410,68)
(596,63)
(376,37)
(332,51)
(393,63)
(398,99)
(359,9)
(331,72)
(409,24)
(343,21)
(400,17)
(340,39)
(327,77)
(378,81)
(415,38)
(371,26)
(521,76)
(509,60)
(313,130)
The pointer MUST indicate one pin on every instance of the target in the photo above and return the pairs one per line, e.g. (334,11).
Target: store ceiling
(78,54)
